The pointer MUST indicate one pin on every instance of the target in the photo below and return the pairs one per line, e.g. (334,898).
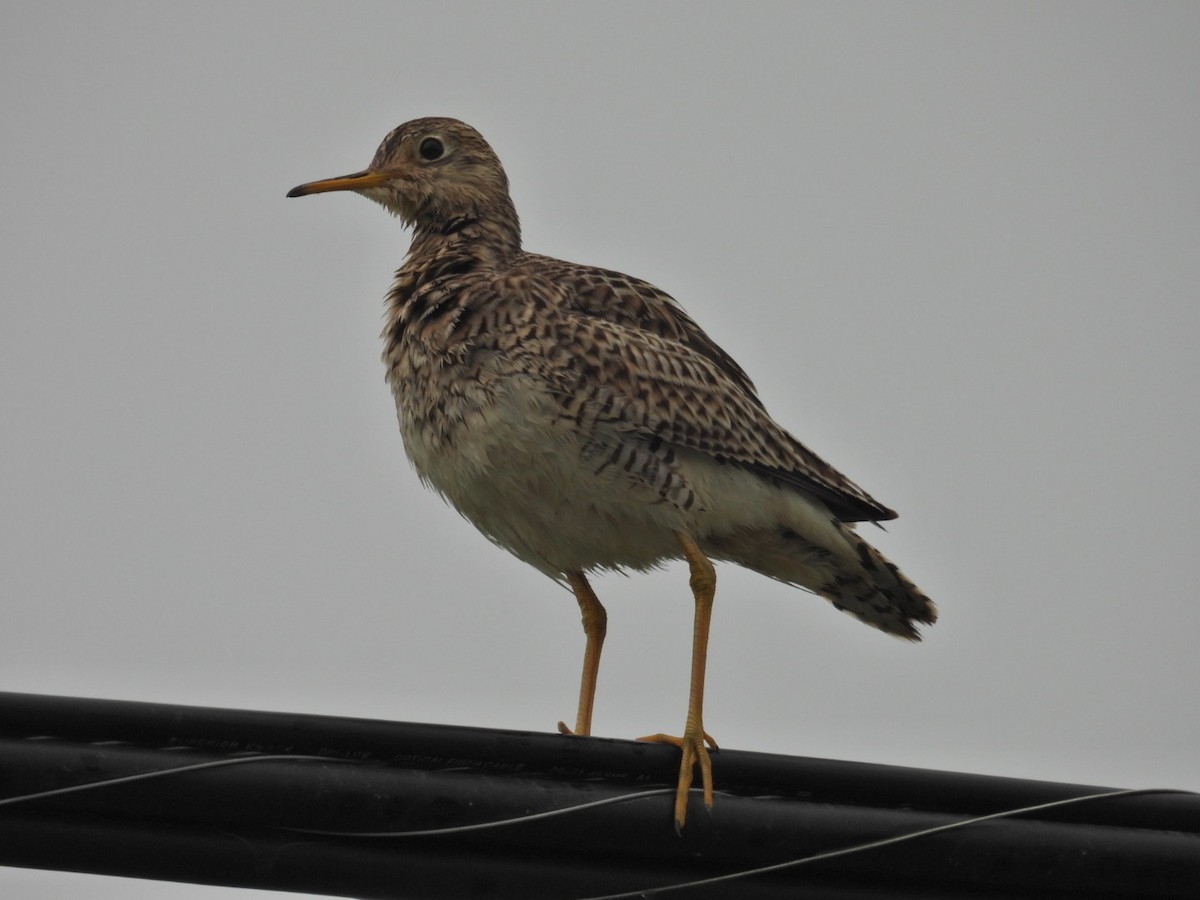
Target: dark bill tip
(356,182)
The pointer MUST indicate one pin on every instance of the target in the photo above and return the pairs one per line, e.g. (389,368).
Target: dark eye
(431,148)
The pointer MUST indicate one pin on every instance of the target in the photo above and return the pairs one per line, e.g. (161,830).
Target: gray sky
(954,244)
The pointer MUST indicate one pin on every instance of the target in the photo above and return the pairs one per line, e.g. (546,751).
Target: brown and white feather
(579,417)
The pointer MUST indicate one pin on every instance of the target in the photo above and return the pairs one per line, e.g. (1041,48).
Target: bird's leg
(595,624)
(704,588)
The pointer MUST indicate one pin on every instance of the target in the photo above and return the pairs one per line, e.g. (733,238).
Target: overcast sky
(955,245)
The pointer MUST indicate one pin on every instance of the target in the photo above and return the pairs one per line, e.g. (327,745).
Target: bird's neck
(484,229)
(454,247)
(464,239)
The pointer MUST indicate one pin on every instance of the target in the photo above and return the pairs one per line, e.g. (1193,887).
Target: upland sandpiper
(582,421)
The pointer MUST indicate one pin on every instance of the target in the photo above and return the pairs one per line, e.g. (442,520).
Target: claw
(661,738)
(694,754)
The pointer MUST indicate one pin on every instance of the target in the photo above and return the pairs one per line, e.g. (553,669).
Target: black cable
(268,800)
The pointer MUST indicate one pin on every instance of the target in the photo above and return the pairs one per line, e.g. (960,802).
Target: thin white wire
(882,842)
(498,823)
(158,773)
(212,764)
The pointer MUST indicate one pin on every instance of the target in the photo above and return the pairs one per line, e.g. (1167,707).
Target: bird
(583,421)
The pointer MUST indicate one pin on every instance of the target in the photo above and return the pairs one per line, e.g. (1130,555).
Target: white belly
(516,469)
(519,475)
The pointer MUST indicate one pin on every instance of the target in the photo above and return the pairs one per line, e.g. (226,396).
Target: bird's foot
(563,729)
(695,754)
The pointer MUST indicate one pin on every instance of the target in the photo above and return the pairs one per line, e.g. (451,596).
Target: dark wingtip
(297,191)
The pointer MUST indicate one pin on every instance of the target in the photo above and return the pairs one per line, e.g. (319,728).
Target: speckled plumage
(580,418)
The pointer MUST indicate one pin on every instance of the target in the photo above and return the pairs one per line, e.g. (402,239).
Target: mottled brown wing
(661,376)
(622,299)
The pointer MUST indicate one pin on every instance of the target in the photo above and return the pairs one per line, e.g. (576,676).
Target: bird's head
(431,173)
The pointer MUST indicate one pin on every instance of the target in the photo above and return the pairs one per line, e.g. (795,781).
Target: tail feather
(837,564)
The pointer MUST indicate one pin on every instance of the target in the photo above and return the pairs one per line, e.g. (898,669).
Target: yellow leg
(704,588)
(595,624)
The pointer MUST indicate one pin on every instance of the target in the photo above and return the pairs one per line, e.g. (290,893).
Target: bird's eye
(431,148)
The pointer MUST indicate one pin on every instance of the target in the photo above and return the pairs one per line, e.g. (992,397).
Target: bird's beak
(356,182)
